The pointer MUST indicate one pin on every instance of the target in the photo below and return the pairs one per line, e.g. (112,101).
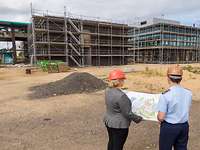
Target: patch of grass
(191,76)
(2,78)
(189,68)
(152,72)
(154,88)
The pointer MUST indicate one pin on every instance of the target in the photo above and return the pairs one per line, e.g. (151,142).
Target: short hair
(175,78)
(114,83)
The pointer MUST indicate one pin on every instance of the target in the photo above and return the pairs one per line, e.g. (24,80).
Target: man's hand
(161,116)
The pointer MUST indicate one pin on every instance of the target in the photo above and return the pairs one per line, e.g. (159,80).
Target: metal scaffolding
(15,31)
(165,43)
(77,41)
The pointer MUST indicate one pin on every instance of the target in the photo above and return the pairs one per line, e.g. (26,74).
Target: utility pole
(14,46)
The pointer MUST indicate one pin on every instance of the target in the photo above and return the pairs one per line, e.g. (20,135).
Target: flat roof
(13,23)
(175,25)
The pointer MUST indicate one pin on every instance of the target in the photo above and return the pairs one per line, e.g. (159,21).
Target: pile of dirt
(74,83)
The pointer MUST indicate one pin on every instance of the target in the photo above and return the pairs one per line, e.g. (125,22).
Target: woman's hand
(137,119)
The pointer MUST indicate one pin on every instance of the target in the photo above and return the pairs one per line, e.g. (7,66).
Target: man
(173,112)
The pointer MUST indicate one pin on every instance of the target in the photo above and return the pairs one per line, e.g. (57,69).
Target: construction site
(165,41)
(65,111)
(78,42)
(85,41)
(12,32)
(53,83)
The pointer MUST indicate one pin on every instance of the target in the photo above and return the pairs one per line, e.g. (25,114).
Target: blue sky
(186,11)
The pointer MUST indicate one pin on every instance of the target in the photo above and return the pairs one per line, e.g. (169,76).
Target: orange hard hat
(175,70)
(116,74)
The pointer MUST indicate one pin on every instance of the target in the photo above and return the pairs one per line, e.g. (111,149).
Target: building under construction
(78,42)
(15,31)
(165,41)
(91,42)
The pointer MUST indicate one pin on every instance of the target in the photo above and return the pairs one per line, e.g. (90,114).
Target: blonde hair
(114,83)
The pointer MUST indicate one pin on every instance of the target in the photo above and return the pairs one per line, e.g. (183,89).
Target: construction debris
(74,83)
(63,67)
(55,66)
(28,71)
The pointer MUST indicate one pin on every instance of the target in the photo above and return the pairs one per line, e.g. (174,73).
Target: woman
(118,115)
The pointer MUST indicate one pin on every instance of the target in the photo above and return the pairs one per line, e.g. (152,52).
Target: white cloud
(183,10)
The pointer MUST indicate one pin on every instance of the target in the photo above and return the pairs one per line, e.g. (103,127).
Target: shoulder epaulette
(187,89)
(166,91)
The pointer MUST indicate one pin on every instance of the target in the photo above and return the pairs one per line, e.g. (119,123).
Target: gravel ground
(74,122)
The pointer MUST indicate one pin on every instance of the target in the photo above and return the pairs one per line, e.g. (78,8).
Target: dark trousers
(173,135)
(117,138)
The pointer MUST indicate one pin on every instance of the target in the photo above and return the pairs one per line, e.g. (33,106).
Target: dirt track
(74,122)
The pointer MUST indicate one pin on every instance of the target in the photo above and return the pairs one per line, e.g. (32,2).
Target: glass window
(173,36)
(166,36)
(184,38)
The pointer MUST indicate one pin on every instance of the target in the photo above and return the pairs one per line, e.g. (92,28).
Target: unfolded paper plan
(144,104)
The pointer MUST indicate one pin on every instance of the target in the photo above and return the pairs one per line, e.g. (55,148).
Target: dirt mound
(74,83)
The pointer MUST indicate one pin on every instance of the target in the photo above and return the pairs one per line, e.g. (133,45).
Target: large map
(144,104)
